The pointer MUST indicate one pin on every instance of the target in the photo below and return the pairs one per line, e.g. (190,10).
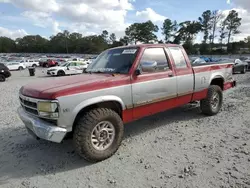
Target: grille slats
(30,107)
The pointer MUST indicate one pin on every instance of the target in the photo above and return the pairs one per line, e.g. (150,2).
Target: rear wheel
(212,104)
(46,65)
(2,78)
(244,70)
(60,73)
(34,65)
(98,134)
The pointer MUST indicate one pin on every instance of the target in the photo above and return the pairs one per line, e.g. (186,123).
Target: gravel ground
(177,148)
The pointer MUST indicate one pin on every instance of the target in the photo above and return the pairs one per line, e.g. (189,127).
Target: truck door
(154,91)
(184,73)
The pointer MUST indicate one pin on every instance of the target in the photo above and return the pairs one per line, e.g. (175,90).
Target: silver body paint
(128,96)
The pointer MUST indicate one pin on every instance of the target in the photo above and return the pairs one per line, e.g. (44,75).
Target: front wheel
(211,105)
(61,73)
(20,68)
(2,78)
(98,134)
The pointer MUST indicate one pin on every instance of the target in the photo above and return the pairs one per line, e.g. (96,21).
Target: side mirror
(148,66)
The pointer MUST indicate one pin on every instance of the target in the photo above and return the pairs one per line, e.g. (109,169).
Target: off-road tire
(60,73)
(206,104)
(2,78)
(83,130)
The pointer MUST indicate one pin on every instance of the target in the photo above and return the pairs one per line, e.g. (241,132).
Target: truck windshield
(117,60)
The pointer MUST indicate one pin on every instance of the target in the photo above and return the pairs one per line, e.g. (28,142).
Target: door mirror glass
(148,66)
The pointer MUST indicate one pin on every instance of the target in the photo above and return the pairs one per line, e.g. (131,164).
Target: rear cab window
(178,57)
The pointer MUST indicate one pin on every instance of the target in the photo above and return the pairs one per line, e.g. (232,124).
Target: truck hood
(51,89)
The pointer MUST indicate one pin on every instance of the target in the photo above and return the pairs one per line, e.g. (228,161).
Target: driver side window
(155,55)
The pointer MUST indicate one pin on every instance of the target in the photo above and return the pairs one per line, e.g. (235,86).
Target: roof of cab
(148,45)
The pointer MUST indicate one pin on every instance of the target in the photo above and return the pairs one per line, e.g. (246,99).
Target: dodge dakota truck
(122,85)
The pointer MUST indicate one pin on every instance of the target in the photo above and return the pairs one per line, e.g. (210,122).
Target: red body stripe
(211,67)
(228,85)
(150,109)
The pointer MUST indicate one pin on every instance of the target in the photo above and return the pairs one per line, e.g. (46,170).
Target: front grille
(29,106)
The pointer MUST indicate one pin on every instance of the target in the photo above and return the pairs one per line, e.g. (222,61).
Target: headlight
(48,109)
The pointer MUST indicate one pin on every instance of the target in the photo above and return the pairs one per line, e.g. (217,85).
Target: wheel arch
(113,102)
(218,80)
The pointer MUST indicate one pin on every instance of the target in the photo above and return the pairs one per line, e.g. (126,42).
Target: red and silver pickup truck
(122,85)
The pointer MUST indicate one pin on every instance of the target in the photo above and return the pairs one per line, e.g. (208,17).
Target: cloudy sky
(47,17)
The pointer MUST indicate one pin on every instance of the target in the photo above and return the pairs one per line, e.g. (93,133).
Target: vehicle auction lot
(177,148)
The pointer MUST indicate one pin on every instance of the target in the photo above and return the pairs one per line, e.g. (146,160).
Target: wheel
(84,70)
(34,65)
(244,70)
(20,68)
(47,65)
(2,78)
(98,134)
(212,104)
(60,73)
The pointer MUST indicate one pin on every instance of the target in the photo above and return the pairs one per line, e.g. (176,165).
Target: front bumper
(52,73)
(40,128)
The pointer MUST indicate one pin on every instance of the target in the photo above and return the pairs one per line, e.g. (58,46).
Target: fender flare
(97,100)
(215,77)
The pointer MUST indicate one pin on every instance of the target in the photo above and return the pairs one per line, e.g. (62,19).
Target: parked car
(30,63)
(122,85)
(68,68)
(240,66)
(49,63)
(4,72)
(15,65)
(247,60)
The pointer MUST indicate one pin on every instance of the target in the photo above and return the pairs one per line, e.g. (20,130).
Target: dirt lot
(178,148)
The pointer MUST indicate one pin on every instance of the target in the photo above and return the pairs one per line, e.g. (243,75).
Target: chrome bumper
(40,128)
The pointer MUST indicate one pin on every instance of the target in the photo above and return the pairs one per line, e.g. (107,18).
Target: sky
(48,17)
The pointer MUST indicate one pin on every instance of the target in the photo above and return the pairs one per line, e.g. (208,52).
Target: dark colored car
(240,66)
(4,72)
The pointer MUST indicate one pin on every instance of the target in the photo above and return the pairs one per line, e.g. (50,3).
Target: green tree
(215,19)
(232,22)
(105,35)
(112,38)
(168,29)
(188,30)
(142,32)
(7,45)
(222,32)
(205,21)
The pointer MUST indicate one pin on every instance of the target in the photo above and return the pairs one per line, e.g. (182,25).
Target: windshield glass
(117,60)
(65,64)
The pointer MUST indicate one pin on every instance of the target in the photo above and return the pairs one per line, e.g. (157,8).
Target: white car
(68,68)
(15,65)
(30,63)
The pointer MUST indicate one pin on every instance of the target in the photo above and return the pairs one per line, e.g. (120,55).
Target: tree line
(212,24)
